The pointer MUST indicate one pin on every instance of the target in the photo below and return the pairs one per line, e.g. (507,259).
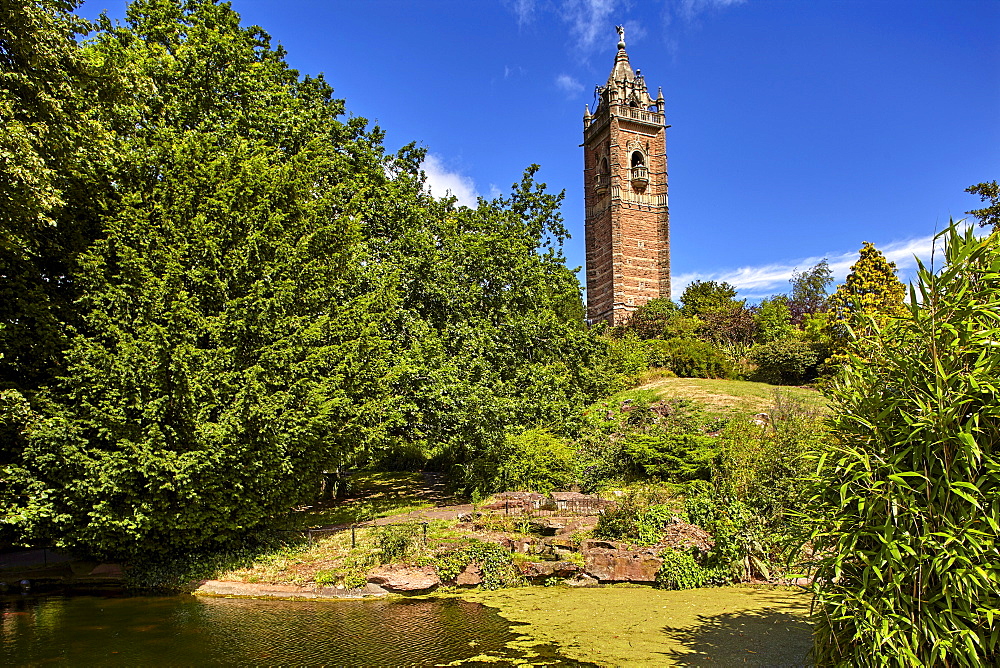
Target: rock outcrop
(404,578)
(620,564)
(536,570)
(471,576)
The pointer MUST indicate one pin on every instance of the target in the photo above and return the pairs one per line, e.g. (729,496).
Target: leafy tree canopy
(773,319)
(245,289)
(701,297)
(652,319)
(809,291)
(989,215)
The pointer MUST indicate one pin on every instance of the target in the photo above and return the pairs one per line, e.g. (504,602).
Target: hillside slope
(731,396)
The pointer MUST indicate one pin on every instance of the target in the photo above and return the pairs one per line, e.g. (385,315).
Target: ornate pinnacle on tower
(621,36)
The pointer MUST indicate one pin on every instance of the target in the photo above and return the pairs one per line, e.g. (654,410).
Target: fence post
(353,537)
(425,533)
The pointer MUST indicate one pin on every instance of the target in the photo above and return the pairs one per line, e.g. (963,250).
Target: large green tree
(701,297)
(225,343)
(52,182)
(263,292)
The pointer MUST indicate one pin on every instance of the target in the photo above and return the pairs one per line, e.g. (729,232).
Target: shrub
(765,466)
(740,551)
(679,570)
(639,440)
(495,564)
(638,517)
(774,320)
(676,457)
(394,542)
(787,362)
(690,358)
(532,460)
(904,514)
(627,358)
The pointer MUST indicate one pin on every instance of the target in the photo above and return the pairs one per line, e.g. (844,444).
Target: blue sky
(800,128)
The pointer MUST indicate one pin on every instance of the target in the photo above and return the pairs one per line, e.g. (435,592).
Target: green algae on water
(748,626)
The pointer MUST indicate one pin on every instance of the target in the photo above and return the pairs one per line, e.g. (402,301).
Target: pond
(186,630)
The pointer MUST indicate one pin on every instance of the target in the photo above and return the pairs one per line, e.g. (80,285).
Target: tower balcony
(640,176)
(636,114)
(601,183)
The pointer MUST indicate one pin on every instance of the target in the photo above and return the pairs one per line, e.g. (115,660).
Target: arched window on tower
(640,174)
(602,179)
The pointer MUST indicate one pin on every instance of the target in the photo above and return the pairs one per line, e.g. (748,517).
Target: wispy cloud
(524,10)
(441,182)
(690,9)
(569,85)
(758,282)
(591,22)
(590,19)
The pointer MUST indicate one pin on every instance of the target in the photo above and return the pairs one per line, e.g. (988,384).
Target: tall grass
(905,512)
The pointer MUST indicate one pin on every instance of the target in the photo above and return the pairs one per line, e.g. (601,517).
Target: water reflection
(184,630)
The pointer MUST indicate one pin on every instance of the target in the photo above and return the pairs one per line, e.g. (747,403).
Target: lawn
(733,396)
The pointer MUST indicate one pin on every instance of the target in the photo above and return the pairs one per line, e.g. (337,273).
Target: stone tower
(627,222)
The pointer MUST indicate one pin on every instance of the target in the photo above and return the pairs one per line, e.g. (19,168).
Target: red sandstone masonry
(627,228)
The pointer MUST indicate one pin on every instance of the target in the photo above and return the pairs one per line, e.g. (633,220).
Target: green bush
(495,564)
(532,460)
(774,320)
(675,457)
(905,514)
(640,439)
(394,542)
(766,466)
(627,358)
(638,517)
(690,358)
(787,362)
(679,570)
(741,551)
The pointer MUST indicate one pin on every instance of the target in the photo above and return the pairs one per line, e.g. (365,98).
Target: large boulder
(621,565)
(534,570)
(470,576)
(522,544)
(404,578)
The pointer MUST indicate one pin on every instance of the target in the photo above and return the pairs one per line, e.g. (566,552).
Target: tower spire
(621,37)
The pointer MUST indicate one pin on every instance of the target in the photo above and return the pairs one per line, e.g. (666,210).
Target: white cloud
(589,19)
(524,10)
(495,191)
(569,85)
(769,279)
(441,182)
(591,22)
(689,9)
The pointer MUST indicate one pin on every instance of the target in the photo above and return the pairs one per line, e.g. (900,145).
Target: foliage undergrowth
(904,514)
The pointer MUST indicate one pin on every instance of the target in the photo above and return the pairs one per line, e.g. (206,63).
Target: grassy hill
(731,396)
